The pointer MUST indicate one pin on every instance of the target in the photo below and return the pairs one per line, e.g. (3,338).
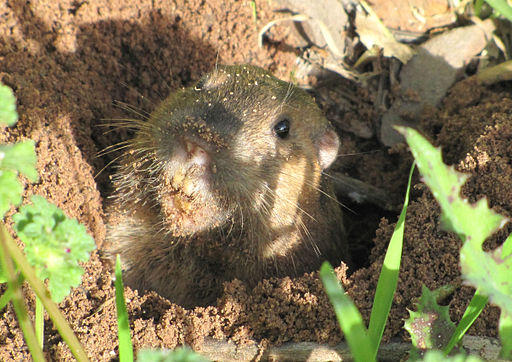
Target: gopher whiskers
(309,183)
(294,204)
(107,165)
(132,109)
(120,123)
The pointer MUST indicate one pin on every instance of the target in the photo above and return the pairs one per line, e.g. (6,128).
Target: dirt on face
(69,61)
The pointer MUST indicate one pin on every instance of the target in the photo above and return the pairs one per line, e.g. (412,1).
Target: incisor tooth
(178,178)
(188,187)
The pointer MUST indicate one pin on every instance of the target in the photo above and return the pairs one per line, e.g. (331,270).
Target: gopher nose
(197,154)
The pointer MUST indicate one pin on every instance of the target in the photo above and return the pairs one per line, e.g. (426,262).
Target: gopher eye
(200,84)
(282,128)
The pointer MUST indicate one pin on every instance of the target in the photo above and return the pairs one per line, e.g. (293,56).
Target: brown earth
(68,61)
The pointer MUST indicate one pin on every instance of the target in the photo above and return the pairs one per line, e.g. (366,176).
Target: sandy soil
(68,61)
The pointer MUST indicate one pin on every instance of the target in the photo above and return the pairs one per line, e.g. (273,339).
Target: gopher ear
(328,146)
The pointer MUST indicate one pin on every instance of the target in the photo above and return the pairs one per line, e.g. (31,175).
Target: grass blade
(39,322)
(6,297)
(123,326)
(505,331)
(348,316)
(180,354)
(475,307)
(502,7)
(388,278)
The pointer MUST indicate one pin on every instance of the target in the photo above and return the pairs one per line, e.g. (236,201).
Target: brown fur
(258,206)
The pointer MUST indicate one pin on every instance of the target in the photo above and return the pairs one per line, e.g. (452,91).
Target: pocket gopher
(226,180)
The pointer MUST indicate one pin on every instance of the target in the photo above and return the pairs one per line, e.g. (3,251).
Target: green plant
(11,255)
(123,329)
(364,343)
(53,243)
(489,272)
(123,325)
(182,354)
(500,6)
(437,356)
(430,326)
(15,159)
(8,114)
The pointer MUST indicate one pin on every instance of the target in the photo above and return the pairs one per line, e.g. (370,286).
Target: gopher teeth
(177,179)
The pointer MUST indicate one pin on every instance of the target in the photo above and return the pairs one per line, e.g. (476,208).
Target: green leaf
(28,274)
(437,356)
(445,183)
(10,191)
(505,331)
(388,278)
(20,157)
(182,354)
(123,325)
(54,245)
(6,297)
(475,307)
(502,7)
(489,272)
(8,114)
(14,159)
(430,326)
(348,316)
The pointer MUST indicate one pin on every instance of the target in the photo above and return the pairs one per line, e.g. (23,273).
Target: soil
(69,61)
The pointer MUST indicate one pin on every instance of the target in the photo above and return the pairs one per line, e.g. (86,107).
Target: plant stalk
(6,297)
(17,297)
(39,322)
(475,307)
(123,324)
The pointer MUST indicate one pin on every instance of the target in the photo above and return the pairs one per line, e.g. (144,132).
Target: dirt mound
(69,61)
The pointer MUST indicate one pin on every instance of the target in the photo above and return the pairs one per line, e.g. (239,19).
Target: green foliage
(502,7)
(8,114)
(53,244)
(10,191)
(488,272)
(348,316)
(363,343)
(430,326)
(182,354)
(473,310)
(15,159)
(388,278)
(437,356)
(20,157)
(12,253)
(178,355)
(123,325)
